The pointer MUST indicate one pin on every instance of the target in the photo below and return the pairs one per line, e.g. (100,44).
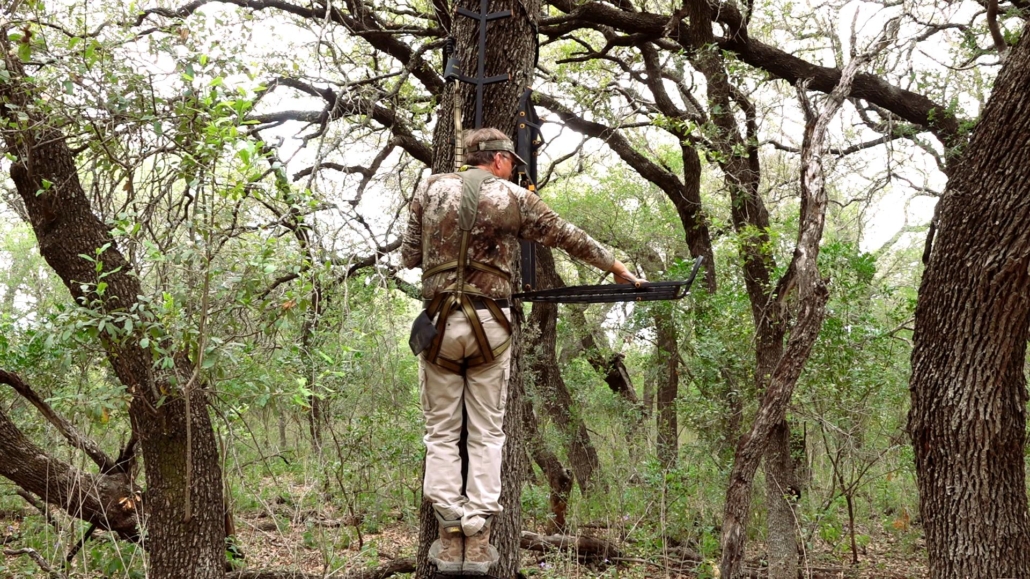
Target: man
(466,250)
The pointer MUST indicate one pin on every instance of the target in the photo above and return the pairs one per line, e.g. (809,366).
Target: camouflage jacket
(507,213)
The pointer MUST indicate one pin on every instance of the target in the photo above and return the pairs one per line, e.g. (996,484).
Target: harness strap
(477,265)
(458,296)
(443,305)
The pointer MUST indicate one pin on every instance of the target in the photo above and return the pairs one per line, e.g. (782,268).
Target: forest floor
(331,547)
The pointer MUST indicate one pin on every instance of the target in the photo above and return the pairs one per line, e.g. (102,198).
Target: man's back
(506,213)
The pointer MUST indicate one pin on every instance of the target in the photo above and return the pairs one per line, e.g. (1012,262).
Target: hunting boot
(479,553)
(447,551)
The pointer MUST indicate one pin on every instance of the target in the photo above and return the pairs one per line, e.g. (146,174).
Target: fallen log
(583,547)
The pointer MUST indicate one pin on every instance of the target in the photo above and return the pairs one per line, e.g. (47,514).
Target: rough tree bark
(968,416)
(183,499)
(511,49)
(750,220)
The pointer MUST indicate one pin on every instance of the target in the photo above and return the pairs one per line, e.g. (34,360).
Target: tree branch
(91,448)
(913,107)
(992,24)
(365,26)
(35,556)
(337,107)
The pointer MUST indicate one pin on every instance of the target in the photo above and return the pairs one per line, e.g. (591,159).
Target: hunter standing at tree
(464,230)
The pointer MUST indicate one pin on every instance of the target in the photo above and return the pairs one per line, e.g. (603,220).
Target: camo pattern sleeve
(541,224)
(411,245)
(506,212)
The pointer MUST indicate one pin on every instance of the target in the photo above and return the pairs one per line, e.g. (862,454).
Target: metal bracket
(480,80)
(527,142)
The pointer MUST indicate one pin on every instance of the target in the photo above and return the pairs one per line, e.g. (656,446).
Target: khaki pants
(484,391)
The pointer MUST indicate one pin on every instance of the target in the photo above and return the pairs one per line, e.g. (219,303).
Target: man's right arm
(411,247)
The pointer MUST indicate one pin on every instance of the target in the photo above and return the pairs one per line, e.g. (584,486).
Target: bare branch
(838,151)
(35,556)
(334,166)
(992,24)
(338,107)
(913,107)
(363,25)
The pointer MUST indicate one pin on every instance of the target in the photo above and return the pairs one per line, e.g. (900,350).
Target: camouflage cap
(500,145)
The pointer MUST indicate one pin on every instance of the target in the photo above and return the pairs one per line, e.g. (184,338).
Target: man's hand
(622,273)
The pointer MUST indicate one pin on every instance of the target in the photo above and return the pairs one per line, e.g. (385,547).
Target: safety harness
(461,296)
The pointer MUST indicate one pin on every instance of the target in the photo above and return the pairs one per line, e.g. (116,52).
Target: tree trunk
(550,388)
(667,353)
(968,386)
(781,494)
(511,49)
(803,274)
(183,499)
(559,479)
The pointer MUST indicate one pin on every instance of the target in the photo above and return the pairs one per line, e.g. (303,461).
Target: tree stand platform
(450,575)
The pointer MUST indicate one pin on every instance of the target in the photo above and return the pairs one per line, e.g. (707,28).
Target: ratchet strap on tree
(461,296)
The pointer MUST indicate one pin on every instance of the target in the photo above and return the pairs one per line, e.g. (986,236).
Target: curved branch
(364,171)
(90,447)
(618,143)
(913,107)
(992,24)
(366,27)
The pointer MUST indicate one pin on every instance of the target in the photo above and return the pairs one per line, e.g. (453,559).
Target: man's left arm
(541,224)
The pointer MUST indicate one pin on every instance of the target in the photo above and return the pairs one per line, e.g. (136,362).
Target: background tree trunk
(968,386)
(549,387)
(667,352)
(559,478)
